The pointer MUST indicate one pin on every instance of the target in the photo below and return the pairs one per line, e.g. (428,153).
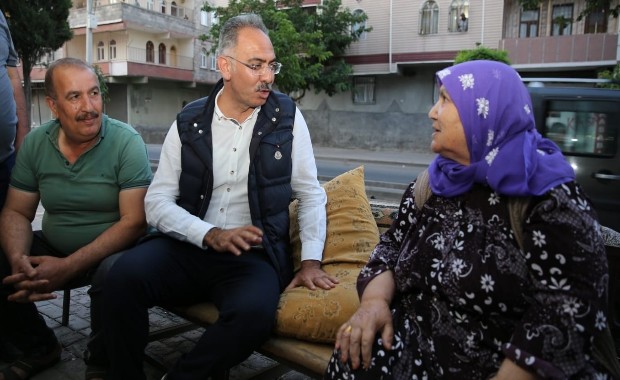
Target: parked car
(585,123)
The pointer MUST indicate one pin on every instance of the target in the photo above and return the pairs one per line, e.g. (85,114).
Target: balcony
(583,50)
(130,62)
(134,14)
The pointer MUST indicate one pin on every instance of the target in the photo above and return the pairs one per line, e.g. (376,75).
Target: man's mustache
(264,87)
(87,115)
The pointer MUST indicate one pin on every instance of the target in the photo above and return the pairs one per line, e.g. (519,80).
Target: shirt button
(222,209)
(273,119)
(228,189)
(232,172)
(240,127)
(234,149)
(202,197)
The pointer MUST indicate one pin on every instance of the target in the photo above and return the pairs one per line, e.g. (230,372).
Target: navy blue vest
(269,179)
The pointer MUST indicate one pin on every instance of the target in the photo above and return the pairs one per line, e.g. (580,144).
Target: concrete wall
(397,121)
(154,106)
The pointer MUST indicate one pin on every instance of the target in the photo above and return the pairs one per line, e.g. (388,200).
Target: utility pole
(91,23)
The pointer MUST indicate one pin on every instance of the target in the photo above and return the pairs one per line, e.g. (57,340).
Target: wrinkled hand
(356,337)
(235,240)
(36,277)
(311,275)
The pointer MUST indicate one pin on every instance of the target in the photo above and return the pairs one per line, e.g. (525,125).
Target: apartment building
(150,53)
(393,84)
(155,63)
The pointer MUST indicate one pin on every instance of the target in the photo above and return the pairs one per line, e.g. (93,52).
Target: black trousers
(165,271)
(23,327)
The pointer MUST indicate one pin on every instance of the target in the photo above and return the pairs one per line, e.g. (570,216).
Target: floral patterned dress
(467,296)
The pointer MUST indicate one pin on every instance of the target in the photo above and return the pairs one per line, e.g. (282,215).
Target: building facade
(155,62)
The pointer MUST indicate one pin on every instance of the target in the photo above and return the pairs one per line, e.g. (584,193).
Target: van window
(584,127)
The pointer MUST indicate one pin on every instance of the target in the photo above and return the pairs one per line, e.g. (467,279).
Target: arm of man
(16,233)
(312,215)
(163,212)
(121,235)
(23,119)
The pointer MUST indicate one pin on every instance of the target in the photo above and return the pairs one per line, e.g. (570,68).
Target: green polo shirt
(81,200)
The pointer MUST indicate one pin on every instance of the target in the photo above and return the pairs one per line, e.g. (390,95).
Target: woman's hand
(356,337)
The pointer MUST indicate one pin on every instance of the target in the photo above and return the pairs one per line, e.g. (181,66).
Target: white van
(585,123)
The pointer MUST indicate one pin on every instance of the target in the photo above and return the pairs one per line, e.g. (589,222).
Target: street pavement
(163,353)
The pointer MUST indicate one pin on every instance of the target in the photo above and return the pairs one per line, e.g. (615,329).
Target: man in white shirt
(229,167)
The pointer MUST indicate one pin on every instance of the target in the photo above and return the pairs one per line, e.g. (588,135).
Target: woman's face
(448,135)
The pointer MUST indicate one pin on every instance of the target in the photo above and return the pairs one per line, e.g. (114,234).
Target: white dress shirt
(229,207)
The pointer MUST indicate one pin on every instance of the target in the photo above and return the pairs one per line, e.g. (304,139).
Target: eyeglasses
(257,70)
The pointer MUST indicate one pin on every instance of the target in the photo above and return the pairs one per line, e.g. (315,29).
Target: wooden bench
(312,358)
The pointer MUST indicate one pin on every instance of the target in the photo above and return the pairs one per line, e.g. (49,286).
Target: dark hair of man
(63,62)
(230,30)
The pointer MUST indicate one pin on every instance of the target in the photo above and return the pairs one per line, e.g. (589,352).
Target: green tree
(311,46)
(613,76)
(482,52)
(38,27)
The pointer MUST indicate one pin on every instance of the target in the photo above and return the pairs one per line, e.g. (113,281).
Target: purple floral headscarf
(506,151)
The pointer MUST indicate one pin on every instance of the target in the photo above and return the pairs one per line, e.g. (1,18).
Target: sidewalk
(375,156)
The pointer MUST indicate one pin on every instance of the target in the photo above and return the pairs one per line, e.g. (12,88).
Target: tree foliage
(482,52)
(613,76)
(38,27)
(311,46)
(103,85)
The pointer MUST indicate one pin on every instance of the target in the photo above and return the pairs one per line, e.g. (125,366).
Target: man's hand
(235,240)
(33,281)
(311,275)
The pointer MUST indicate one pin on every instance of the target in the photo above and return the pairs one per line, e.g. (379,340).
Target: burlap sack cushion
(351,236)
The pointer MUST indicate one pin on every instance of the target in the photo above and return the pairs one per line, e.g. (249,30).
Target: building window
(458,19)
(429,17)
(359,25)
(528,26)
(163,6)
(112,49)
(208,18)
(363,90)
(562,24)
(212,62)
(149,5)
(173,8)
(203,58)
(162,54)
(596,21)
(100,51)
(150,52)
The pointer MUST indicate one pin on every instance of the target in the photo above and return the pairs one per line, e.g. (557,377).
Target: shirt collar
(220,115)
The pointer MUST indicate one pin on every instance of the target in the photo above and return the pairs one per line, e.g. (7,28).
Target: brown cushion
(351,236)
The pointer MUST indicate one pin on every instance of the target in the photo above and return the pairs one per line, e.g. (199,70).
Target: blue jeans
(168,272)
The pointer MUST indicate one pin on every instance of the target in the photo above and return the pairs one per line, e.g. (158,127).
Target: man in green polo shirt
(90,173)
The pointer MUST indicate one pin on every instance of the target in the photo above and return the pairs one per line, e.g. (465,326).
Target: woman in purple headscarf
(451,292)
